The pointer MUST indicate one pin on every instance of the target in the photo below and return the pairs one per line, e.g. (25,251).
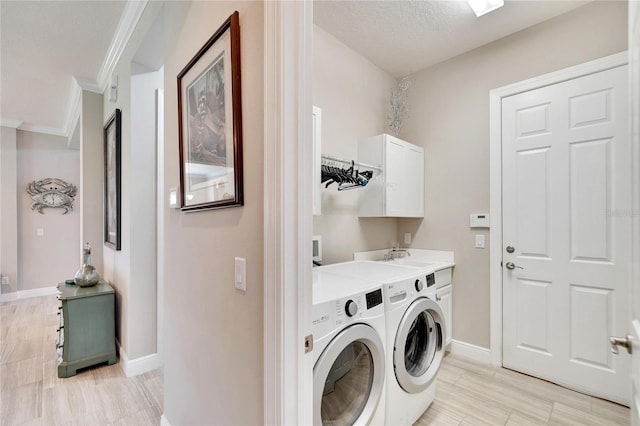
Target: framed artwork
(210,123)
(112,185)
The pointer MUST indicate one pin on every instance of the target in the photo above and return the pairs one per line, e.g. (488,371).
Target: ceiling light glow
(481,7)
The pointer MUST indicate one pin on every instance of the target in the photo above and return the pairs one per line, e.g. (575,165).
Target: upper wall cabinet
(399,190)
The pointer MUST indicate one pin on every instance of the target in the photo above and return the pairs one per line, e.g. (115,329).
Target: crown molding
(127,24)
(73,108)
(10,122)
(88,85)
(35,128)
(128,21)
(27,127)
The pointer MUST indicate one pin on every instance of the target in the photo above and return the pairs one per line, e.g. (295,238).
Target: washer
(415,346)
(349,350)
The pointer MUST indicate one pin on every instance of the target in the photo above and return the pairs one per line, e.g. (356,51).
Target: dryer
(415,346)
(349,350)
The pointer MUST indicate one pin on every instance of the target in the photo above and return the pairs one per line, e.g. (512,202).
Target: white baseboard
(164,421)
(25,294)
(134,367)
(8,297)
(473,352)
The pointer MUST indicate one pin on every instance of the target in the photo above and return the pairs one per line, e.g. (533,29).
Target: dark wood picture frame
(112,180)
(210,123)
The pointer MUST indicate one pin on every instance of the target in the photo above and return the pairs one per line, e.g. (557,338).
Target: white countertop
(417,258)
(340,280)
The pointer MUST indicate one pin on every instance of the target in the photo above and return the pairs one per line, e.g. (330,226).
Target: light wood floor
(32,394)
(476,394)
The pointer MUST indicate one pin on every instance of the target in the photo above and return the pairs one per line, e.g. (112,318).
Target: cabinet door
(414,181)
(395,200)
(445,300)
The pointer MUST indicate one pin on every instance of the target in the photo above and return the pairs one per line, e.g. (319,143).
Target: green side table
(87,327)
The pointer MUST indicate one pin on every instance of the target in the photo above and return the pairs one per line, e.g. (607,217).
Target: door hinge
(308,343)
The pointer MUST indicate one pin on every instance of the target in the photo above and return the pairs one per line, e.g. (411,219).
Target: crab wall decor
(51,192)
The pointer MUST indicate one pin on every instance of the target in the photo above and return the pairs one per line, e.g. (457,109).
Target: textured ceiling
(402,37)
(44,44)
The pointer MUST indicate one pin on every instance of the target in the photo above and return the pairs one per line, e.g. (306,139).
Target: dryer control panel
(328,316)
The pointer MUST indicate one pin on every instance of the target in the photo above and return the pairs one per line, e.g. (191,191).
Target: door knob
(511,265)
(510,249)
(625,342)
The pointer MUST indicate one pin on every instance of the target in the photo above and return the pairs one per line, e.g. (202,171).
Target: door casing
(495,178)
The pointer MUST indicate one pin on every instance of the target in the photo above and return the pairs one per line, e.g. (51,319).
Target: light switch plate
(407,237)
(40,232)
(5,280)
(173,198)
(241,273)
(480,241)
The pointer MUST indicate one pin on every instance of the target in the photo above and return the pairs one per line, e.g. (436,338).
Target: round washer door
(418,349)
(348,377)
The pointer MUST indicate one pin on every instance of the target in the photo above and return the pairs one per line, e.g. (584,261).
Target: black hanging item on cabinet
(334,169)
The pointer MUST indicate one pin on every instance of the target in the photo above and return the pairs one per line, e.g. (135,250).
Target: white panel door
(566,237)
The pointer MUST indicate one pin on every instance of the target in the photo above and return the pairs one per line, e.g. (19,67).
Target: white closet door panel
(566,174)
(533,321)
(590,108)
(533,120)
(590,202)
(591,323)
(532,180)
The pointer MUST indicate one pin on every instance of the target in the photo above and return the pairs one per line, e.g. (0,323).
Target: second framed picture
(210,123)
(112,185)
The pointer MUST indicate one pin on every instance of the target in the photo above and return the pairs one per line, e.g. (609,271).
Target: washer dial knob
(350,308)
(419,285)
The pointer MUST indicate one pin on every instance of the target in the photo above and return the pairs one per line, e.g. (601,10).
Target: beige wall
(449,105)
(353,95)
(214,334)
(132,269)
(45,261)
(90,188)
(8,209)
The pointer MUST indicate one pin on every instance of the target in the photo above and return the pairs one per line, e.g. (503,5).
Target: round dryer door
(348,377)
(419,349)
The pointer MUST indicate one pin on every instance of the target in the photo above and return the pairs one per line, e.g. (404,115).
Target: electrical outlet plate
(5,280)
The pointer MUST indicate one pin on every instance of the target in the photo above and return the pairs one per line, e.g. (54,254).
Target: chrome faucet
(396,253)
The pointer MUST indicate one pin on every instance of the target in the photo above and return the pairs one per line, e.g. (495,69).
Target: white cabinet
(398,191)
(317,159)
(444,298)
